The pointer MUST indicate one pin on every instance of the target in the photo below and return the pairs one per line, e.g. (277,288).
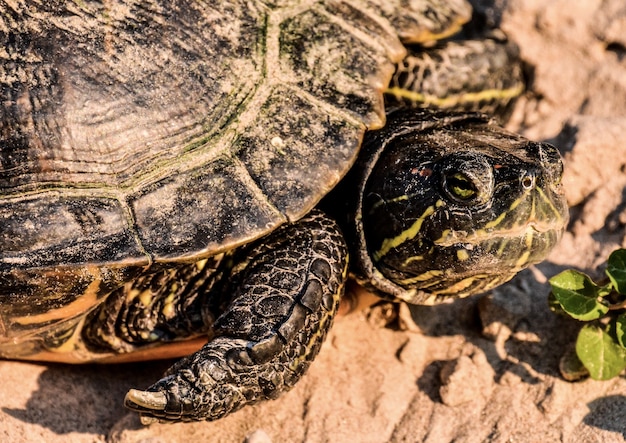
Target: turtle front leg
(285,292)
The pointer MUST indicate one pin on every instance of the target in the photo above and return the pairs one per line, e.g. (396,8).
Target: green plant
(601,342)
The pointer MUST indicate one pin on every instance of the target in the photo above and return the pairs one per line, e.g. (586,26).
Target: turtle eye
(460,187)
(467,178)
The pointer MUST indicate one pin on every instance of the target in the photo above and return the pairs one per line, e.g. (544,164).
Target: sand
(475,370)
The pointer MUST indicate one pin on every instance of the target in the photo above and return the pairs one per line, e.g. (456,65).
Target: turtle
(201,179)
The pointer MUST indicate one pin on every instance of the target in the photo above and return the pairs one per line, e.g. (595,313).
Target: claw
(145,400)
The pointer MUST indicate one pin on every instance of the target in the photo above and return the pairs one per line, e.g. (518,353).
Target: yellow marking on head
(462,285)
(496,222)
(400,198)
(503,243)
(393,200)
(439,203)
(454,100)
(444,236)
(426,276)
(528,240)
(545,198)
(405,235)
(412,259)
(498,280)
(516,203)
(458,286)
(462,255)
(522,260)
(533,209)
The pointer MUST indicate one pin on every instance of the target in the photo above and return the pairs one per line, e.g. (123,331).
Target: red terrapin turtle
(161,162)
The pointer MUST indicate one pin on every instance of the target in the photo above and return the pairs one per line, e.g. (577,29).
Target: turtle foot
(285,293)
(204,386)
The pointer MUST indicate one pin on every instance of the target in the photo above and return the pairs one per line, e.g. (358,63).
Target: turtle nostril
(528,182)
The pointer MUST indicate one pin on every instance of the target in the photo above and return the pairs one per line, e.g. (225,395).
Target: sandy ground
(471,371)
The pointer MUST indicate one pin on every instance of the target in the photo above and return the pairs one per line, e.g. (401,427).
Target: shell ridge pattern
(126,171)
(61,193)
(274,145)
(375,30)
(137,144)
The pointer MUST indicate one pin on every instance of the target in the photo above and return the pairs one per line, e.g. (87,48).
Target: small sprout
(579,296)
(620,329)
(616,270)
(601,342)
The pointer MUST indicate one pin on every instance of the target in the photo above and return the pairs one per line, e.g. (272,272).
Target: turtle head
(457,210)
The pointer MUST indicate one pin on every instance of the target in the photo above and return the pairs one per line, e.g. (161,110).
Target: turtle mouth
(520,236)
(464,260)
(516,247)
(482,236)
(478,261)
(519,249)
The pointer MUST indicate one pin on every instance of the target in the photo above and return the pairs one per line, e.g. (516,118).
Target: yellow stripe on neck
(405,235)
(453,100)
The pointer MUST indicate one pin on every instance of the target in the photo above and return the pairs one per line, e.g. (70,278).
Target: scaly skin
(285,292)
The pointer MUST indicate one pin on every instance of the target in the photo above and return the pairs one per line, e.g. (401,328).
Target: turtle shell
(135,132)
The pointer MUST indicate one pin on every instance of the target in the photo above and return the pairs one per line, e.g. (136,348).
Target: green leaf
(616,270)
(620,330)
(579,296)
(600,354)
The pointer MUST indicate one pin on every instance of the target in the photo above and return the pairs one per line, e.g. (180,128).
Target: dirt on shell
(475,370)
